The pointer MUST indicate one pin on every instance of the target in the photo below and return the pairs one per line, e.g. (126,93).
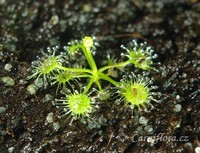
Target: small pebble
(139,130)
(8,81)
(48,97)
(189,147)
(56,126)
(2,110)
(149,129)
(143,120)
(39,83)
(177,97)
(8,67)
(197,150)
(32,89)
(52,2)
(49,118)
(53,21)
(2,1)
(10,150)
(177,108)
(86,8)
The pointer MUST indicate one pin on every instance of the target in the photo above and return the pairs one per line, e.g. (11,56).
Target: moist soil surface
(32,123)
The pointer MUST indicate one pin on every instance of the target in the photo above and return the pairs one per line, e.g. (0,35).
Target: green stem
(84,76)
(122,64)
(81,70)
(89,58)
(89,85)
(105,77)
(98,84)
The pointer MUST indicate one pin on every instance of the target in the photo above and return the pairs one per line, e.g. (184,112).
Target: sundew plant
(77,66)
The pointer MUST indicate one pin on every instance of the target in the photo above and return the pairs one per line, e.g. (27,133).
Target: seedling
(55,70)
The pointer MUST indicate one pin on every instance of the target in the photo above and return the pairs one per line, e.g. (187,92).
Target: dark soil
(171,27)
